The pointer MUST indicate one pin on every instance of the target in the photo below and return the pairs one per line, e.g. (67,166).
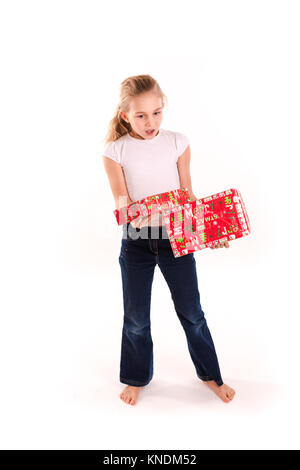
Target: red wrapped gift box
(199,224)
(151,205)
(196,225)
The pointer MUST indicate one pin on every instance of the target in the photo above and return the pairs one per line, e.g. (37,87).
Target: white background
(230,70)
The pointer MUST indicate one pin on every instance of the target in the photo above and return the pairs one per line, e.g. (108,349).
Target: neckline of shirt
(148,141)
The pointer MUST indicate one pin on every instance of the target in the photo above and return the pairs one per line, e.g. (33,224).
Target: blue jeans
(138,258)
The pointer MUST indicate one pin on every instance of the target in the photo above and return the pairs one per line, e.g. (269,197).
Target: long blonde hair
(130,87)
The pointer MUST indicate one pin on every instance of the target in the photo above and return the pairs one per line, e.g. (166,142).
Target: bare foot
(225,392)
(130,394)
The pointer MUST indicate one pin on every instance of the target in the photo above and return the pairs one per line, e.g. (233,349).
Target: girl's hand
(140,221)
(220,245)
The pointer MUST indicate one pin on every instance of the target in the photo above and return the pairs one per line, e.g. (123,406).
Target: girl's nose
(150,125)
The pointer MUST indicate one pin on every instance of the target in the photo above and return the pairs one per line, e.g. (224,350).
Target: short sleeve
(111,151)
(181,143)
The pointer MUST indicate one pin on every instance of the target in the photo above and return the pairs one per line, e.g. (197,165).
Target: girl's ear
(123,116)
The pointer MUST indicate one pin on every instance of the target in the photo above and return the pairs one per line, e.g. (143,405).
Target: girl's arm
(117,182)
(119,189)
(183,165)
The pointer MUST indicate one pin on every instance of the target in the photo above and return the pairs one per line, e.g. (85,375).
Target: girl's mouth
(150,132)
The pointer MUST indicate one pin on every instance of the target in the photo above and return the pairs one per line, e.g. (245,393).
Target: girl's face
(145,114)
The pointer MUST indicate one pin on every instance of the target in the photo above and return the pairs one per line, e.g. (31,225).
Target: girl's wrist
(193,197)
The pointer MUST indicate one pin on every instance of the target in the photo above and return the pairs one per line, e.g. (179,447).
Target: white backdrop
(230,70)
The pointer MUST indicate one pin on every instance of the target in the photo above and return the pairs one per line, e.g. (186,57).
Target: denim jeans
(138,258)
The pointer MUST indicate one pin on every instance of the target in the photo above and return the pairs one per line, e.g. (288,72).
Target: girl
(141,159)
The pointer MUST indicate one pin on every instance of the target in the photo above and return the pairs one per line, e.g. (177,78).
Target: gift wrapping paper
(151,205)
(193,225)
(199,224)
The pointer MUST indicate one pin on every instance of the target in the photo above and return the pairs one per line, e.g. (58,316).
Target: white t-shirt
(149,166)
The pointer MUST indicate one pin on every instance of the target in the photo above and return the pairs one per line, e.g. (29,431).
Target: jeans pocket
(123,248)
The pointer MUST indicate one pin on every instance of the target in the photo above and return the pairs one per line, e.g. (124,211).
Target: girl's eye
(141,115)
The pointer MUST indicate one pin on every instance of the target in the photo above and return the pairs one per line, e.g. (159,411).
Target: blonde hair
(130,87)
